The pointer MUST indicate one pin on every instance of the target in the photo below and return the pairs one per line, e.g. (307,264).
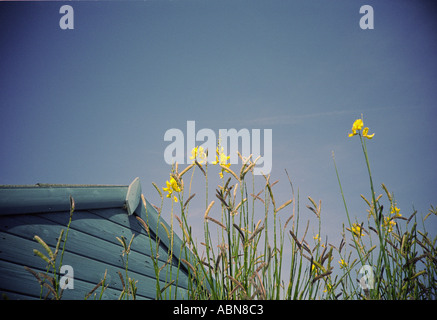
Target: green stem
(378,212)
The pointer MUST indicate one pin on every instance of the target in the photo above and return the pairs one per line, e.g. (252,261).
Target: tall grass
(254,247)
(402,260)
(51,279)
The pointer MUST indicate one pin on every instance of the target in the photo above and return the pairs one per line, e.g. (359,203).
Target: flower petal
(365,131)
(357,125)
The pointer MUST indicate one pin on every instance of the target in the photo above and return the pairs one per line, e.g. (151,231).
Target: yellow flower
(168,188)
(357,230)
(342,263)
(316,237)
(221,158)
(314,269)
(389,223)
(357,125)
(171,186)
(327,287)
(198,153)
(365,131)
(396,210)
(174,185)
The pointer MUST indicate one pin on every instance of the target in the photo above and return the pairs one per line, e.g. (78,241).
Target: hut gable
(101,214)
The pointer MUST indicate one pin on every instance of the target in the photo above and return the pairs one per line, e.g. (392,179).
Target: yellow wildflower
(395,210)
(198,153)
(357,125)
(168,188)
(172,185)
(327,287)
(357,230)
(221,158)
(368,136)
(389,223)
(342,263)
(314,269)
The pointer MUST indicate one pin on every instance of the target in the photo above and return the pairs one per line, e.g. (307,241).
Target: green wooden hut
(101,214)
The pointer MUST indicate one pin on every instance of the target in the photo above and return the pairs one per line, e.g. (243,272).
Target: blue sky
(91,105)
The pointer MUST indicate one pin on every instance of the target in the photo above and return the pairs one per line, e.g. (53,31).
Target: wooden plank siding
(91,249)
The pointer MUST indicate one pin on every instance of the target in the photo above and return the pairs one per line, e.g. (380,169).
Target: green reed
(248,240)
